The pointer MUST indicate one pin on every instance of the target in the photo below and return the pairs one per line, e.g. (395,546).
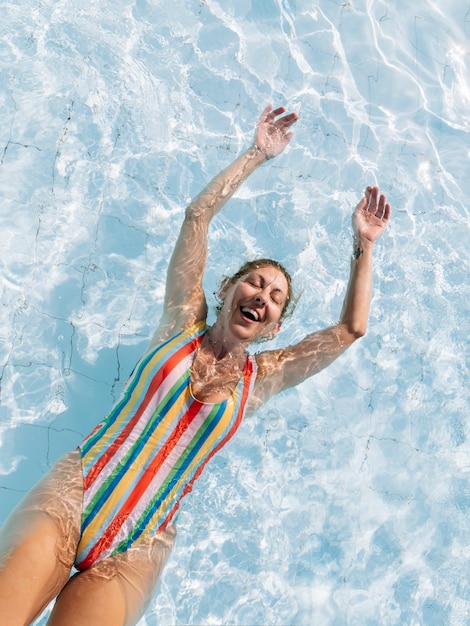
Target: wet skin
(252,307)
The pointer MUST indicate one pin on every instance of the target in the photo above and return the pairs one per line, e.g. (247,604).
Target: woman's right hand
(272,134)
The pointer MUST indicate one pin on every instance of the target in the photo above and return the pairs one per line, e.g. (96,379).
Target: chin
(253,337)
(244,333)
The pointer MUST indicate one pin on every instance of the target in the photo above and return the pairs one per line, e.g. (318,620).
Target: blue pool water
(346,500)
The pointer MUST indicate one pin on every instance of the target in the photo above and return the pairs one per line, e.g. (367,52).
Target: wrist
(261,151)
(361,246)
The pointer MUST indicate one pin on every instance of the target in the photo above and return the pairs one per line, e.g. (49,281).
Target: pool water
(346,500)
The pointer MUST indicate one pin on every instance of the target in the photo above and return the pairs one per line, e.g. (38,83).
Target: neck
(222,346)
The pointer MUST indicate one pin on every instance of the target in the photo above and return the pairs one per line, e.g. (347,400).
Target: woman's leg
(117,590)
(38,543)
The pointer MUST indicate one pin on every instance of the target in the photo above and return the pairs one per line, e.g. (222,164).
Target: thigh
(38,543)
(117,590)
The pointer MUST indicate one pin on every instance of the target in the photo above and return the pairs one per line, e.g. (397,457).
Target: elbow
(192,212)
(352,332)
(360,332)
(199,212)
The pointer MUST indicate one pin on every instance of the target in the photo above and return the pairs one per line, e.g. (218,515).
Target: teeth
(251,312)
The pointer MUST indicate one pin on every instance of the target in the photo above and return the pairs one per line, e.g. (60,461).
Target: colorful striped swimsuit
(145,456)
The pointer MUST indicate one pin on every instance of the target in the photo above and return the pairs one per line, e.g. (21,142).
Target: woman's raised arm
(289,366)
(185,302)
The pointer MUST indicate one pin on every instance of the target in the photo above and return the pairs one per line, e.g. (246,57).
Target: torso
(145,455)
(214,380)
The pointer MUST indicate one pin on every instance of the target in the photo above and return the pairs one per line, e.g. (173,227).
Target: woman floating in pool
(108,507)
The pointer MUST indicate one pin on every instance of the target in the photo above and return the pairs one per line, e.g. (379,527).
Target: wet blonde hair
(248,267)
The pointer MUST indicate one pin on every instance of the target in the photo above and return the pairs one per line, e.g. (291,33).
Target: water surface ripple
(347,500)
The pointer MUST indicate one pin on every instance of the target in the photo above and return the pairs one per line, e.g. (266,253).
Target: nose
(260,299)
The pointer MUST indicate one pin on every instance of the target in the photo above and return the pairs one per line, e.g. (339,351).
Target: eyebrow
(263,281)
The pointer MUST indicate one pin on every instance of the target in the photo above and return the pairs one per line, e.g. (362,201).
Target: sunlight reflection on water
(346,500)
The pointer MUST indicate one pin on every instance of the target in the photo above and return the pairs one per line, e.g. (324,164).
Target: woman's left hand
(272,134)
(371,215)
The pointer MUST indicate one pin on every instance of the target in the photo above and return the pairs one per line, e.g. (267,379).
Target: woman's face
(254,304)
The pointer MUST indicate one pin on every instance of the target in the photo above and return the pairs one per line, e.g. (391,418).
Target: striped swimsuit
(145,456)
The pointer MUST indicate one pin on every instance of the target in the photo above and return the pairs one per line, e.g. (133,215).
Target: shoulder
(267,378)
(165,333)
(269,361)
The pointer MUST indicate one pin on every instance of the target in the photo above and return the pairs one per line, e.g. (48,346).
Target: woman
(108,508)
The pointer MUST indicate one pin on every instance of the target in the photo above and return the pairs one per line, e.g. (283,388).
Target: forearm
(355,312)
(187,263)
(184,296)
(213,197)
(290,366)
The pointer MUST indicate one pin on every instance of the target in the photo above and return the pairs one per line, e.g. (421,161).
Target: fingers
(288,120)
(386,213)
(288,137)
(278,111)
(376,203)
(269,115)
(266,112)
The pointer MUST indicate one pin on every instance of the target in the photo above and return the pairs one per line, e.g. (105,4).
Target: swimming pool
(346,500)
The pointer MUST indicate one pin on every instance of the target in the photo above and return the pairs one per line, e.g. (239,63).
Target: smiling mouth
(251,314)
